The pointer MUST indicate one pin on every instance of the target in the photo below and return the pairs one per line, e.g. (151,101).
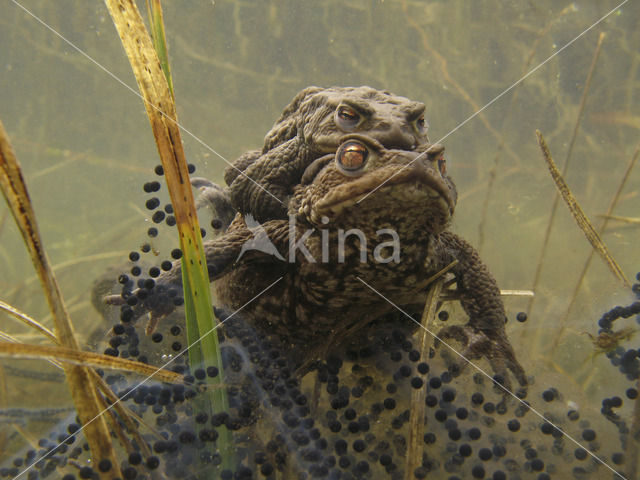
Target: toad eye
(442,166)
(351,156)
(347,117)
(421,124)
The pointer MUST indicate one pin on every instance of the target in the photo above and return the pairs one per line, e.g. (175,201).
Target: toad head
(311,126)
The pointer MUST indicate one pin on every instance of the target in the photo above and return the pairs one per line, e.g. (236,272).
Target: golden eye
(347,113)
(352,155)
(347,118)
(421,124)
(442,166)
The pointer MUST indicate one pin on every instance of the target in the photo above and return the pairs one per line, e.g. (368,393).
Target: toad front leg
(261,185)
(160,297)
(484,335)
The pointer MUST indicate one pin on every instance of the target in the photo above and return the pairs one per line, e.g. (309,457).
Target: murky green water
(85,145)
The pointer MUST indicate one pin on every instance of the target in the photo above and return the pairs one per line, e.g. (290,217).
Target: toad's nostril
(434,151)
(428,154)
(395,137)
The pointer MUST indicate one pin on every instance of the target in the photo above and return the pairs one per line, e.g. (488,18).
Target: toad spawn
(320,295)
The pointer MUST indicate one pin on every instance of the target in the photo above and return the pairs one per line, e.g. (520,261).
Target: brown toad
(261,182)
(370,217)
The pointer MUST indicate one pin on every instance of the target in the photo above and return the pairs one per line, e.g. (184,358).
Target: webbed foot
(160,296)
(490,344)
(156,299)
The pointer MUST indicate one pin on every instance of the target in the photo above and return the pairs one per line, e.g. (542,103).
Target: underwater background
(86,149)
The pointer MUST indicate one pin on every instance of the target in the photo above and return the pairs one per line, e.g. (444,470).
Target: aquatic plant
(369,430)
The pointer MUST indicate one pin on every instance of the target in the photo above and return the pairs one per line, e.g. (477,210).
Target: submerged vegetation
(393,406)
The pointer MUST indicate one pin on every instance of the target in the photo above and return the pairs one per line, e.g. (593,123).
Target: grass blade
(161,111)
(415,443)
(618,218)
(23,317)
(156,23)
(83,390)
(565,168)
(579,215)
(80,357)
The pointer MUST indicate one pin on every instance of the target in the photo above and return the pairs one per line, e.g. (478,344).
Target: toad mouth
(407,170)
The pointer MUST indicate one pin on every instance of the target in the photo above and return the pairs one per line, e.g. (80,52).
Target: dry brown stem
(83,389)
(79,357)
(565,168)
(578,214)
(415,444)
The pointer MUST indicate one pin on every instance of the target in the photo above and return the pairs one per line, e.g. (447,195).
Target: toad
(364,234)
(261,182)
